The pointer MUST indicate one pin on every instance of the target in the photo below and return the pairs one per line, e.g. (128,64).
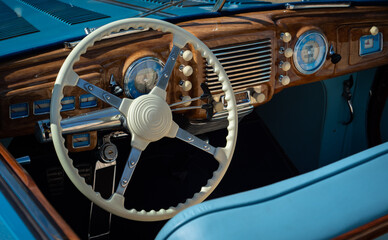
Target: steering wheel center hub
(150,117)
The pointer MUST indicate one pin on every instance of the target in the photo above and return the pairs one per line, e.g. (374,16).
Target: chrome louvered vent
(246,65)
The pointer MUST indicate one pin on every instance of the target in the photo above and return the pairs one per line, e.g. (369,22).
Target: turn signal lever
(205,96)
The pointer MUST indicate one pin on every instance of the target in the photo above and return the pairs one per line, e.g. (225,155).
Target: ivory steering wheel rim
(67,77)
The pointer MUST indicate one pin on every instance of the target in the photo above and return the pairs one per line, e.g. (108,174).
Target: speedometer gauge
(141,76)
(310,52)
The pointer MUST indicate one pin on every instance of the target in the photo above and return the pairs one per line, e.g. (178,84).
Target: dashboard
(262,53)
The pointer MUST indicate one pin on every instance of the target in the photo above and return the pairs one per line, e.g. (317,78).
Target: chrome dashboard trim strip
(311,6)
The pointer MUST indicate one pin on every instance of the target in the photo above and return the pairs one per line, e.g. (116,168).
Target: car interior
(300,100)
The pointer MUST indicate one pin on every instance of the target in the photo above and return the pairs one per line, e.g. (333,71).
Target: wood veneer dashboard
(31,78)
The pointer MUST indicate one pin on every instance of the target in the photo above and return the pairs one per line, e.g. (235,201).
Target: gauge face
(142,76)
(310,52)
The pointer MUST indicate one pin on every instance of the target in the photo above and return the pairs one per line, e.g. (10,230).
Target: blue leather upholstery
(317,205)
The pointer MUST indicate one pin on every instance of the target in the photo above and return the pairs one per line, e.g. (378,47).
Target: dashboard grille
(246,65)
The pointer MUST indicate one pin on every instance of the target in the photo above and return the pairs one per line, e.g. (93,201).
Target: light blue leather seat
(317,205)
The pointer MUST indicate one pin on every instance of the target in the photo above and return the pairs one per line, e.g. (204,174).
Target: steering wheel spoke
(167,70)
(195,141)
(103,95)
(129,168)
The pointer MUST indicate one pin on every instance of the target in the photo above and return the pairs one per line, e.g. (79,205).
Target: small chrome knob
(285,37)
(284,80)
(185,85)
(285,66)
(186,55)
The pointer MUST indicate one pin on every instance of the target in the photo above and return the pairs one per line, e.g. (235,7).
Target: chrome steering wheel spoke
(130,166)
(103,95)
(195,141)
(167,70)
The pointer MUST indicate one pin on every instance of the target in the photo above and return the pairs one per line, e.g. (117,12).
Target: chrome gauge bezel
(321,57)
(132,68)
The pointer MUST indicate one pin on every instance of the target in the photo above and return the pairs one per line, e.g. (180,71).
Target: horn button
(149,117)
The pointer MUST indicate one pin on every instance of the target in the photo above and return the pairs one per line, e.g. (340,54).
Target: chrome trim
(240,46)
(24,160)
(246,109)
(130,166)
(195,141)
(246,65)
(260,79)
(243,55)
(243,67)
(239,76)
(32,209)
(266,57)
(238,104)
(311,6)
(240,50)
(108,118)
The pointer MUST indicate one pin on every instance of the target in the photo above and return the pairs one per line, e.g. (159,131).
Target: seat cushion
(317,205)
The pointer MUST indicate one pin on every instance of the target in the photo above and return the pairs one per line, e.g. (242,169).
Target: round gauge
(141,76)
(310,52)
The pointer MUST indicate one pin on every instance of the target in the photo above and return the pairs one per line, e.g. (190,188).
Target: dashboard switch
(285,37)
(285,66)
(185,85)
(186,70)
(186,55)
(284,80)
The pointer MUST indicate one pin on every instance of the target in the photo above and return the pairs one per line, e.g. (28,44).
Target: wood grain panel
(32,77)
(368,231)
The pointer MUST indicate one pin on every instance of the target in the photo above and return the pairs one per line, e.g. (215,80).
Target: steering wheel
(148,118)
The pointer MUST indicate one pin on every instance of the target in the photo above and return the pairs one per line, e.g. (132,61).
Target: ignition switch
(107,151)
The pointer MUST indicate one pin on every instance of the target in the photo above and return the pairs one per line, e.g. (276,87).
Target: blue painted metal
(295,117)
(11,225)
(316,113)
